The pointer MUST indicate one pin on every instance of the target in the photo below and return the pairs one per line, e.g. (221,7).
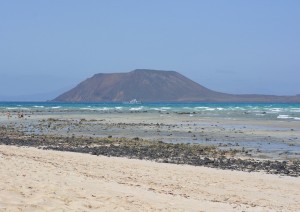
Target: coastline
(189,162)
(259,136)
(158,151)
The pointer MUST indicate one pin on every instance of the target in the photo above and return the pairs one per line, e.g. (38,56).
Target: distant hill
(154,86)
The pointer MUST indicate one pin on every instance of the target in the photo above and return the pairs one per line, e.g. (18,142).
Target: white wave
(119,108)
(201,108)
(284,117)
(288,117)
(56,107)
(12,108)
(103,109)
(204,108)
(163,109)
(37,106)
(238,108)
(86,108)
(136,108)
(276,109)
(295,110)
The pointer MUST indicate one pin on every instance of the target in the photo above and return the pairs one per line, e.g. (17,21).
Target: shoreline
(136,148)
(238,144)
(182,164)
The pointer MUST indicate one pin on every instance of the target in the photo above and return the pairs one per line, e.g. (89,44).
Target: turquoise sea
(243,110)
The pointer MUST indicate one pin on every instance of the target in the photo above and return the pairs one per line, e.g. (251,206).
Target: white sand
(39,180)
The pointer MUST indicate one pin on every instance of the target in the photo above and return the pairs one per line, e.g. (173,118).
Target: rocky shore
(137,148)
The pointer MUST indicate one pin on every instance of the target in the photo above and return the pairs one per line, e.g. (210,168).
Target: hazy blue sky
(230,46)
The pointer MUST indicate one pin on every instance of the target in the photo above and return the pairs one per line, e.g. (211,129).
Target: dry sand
(40,180)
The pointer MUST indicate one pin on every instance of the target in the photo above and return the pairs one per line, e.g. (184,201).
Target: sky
(239,47)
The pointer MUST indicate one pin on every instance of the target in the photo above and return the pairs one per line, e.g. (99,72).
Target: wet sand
(39,180)
(270,139)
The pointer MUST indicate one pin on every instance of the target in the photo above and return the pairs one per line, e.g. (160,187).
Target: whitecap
(103,109)
(12,108)
(284,117)
(238,108)
(201,108)
(295,110)
(136,108)
(276,109)
(287,117)
(86,108)
(56,107)
(159,109)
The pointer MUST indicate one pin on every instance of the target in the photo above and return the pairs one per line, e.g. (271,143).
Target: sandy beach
(40,180)
(80,176)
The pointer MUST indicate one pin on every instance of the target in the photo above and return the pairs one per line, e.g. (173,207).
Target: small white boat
(133,102)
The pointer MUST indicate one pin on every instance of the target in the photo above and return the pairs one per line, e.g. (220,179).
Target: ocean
(265,111)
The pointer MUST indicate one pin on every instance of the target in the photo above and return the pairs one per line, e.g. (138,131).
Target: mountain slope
(154,86)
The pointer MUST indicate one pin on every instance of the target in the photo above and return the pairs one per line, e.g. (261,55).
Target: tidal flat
(246,144)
